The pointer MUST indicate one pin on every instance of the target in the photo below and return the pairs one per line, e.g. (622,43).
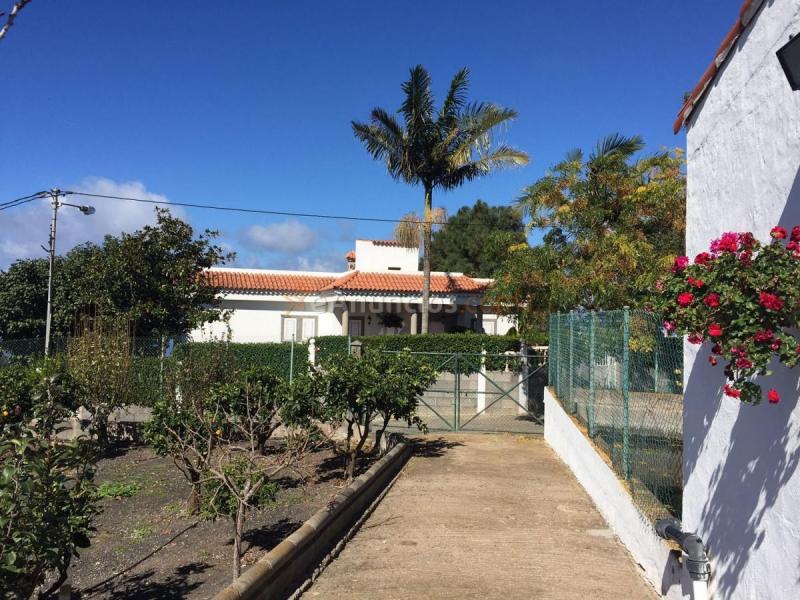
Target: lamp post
(51,250)
(789,57)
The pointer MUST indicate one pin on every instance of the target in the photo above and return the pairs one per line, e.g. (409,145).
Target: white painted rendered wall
(259,320)
(742,485)
(663,572)
(378,257)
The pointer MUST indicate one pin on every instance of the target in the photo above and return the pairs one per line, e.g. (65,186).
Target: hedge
(442,346)
(276,356)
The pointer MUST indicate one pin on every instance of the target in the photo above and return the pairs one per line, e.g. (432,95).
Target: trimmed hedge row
(276,356)
(442,347)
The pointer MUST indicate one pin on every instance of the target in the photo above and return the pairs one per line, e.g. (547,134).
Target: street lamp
(86,210)
(789,57)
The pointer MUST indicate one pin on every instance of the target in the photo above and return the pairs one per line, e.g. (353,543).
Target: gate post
(558,357)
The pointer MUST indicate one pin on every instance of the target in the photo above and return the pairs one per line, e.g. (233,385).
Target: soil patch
(146,546)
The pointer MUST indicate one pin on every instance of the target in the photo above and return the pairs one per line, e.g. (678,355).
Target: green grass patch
(118,489)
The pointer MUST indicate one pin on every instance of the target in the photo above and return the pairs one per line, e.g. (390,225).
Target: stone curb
(287,566)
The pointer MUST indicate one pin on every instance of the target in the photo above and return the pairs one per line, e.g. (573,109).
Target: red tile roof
(746,14)
(264,281)
(406,283)
(354,281)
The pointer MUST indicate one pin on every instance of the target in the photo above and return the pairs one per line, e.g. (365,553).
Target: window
(302,328)
(309,328)
(289,329)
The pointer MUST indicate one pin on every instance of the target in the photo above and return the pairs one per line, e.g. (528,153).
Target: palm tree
(441,150)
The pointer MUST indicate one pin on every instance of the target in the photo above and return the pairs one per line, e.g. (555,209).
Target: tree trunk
(237,540)
(194,497)
(426,258)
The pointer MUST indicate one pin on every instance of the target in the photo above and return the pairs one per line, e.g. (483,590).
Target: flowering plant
(744,298)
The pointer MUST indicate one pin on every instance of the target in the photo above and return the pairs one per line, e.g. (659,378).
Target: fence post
(655,356)
(457,394)
(573,404)
(291,361)
(558,356)
(481,396)
(591,417)
(626,429)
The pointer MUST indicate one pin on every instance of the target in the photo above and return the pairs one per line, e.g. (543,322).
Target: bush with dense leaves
(47,497)
(742,297)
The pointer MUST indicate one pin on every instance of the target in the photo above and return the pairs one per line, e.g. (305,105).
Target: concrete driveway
(483,516)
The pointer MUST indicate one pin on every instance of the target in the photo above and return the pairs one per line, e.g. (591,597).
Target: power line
(240,209)
(19,203)
(22,200)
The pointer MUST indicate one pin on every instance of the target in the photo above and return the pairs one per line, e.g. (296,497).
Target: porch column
(413,326)
(346,320)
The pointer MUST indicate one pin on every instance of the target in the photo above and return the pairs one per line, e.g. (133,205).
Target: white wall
(613,501)
(742,486)
(257,320)
(371,257)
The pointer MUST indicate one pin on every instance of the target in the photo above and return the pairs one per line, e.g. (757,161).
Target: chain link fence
(621,377)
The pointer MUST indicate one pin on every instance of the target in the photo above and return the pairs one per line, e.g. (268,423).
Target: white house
(379,293)
(740,463)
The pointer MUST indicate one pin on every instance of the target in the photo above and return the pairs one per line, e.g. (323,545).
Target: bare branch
(12,16)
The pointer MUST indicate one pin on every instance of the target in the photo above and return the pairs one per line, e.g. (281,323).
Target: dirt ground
(484,517)
(146,547)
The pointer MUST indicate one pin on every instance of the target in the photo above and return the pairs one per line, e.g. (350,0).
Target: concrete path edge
(288,566)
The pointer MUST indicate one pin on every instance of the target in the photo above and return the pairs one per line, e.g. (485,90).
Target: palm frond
(502,157)
(476,126)
(617,144)
(417,108)
(456,96)
(408,231)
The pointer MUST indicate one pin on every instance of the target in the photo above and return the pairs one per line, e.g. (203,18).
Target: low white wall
(613,501)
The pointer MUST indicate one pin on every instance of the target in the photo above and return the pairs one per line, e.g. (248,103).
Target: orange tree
(613,222)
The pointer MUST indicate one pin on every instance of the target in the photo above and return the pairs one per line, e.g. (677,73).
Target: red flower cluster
(763,336)
(778,233)
(742,296)
(685,299)
(728,242)
(732,392)
(712,300)
(681,262)
(770,301)
(702,259)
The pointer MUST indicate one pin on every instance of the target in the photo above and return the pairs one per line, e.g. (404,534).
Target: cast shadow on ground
(434,448)
(266,538)
(112,583)
(146,586)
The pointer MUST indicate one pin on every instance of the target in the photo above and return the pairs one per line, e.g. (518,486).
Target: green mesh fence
(621,377)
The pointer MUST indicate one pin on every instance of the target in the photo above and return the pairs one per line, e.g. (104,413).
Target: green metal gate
(485,392)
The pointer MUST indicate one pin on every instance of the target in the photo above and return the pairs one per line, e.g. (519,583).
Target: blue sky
(249,104)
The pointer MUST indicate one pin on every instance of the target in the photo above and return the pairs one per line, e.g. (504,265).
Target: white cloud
(286,238)
(24,230)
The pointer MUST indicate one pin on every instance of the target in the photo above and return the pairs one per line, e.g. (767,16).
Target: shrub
(378,385)
(47,498)
(439,345)
(275,356)
(742,297)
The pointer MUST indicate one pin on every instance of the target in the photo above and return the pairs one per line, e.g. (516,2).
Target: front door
(355,327)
